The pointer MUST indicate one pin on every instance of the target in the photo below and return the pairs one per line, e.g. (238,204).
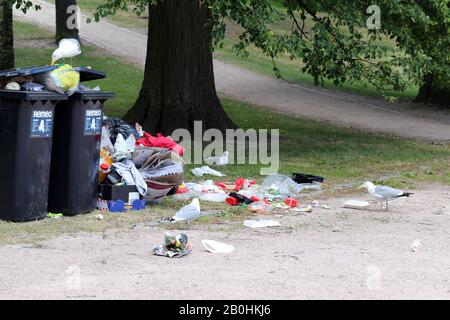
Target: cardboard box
(125,193)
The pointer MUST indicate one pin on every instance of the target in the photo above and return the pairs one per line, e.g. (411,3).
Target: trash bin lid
(87,74)
(25,71)
(32,95)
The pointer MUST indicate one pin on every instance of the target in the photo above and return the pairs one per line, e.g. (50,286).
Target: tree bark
(6,37)
(178,86)
(66,20)
(431,91)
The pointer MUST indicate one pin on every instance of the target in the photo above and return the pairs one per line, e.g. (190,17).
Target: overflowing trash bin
(76,150)
(26,132)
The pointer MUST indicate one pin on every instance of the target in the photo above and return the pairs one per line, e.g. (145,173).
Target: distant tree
(66,20)
(6,36)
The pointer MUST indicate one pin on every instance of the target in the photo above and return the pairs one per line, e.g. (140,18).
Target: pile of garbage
(134,165)
(276,191)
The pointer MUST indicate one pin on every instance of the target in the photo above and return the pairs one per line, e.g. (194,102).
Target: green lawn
(343,156)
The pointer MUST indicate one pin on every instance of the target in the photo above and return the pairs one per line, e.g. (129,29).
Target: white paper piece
(356,204)
(199,172)
(217,247)
(261,223)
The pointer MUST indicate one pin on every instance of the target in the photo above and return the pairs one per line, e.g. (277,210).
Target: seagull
(384,193)
(67,48)
(187,213)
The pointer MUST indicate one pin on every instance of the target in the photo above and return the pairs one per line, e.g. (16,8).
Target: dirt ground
(331,253)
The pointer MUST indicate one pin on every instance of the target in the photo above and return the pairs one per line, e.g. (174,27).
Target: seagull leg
(381,205)
(387,205)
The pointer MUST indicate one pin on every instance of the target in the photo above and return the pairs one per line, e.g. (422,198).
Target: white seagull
(187,213)
(67,48)
(384,193)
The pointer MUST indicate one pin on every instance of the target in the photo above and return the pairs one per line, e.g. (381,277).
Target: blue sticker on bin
(41,124)
(93,122)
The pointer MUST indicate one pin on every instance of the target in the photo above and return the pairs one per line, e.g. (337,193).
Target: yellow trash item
(105,159)
(64,79)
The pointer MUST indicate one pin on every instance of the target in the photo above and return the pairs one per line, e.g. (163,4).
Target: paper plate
(217,247)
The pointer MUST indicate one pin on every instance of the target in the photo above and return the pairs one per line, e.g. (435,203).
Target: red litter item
(160,141)
(231,201)
(104,167)
(291,202)
(221,185)
(182,190)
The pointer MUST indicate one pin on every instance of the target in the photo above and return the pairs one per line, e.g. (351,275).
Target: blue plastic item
(138,204)
(116,206)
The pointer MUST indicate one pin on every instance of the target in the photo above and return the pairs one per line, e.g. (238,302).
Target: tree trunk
(432,92)
(6,37)
(178,86)
(66,20)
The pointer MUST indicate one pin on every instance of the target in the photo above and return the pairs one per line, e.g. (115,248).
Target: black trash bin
(26,130)
(76,153)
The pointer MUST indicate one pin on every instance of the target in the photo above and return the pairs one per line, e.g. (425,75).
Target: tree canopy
(331,37)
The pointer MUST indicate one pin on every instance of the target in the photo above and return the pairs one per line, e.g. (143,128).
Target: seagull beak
(361,187)
(53,62)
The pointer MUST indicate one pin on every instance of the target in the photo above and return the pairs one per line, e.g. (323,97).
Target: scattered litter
(159,141)
(217,247)
(131,176)
(356,204)
(99,216)
(235,198)
(117,126)
(307,208)
(261,207)
(315,203)
(261,223)
(32,86)
(199,172)
(291,202)
(55,215)
(123,148)
(324,206)
(174,246)
(213,197)
(285,186)
(218,161)
(306,178)
(416,245)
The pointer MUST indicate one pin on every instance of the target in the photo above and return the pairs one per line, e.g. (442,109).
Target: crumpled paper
(175,246)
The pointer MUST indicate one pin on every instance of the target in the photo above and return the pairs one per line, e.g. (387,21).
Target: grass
(343,156)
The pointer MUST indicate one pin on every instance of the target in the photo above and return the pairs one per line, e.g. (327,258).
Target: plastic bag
(116,126)
(199,172)
(64,79)
(285,186)
(123,148)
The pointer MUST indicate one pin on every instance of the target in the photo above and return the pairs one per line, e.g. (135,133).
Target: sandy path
(339,108)
(304,259)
